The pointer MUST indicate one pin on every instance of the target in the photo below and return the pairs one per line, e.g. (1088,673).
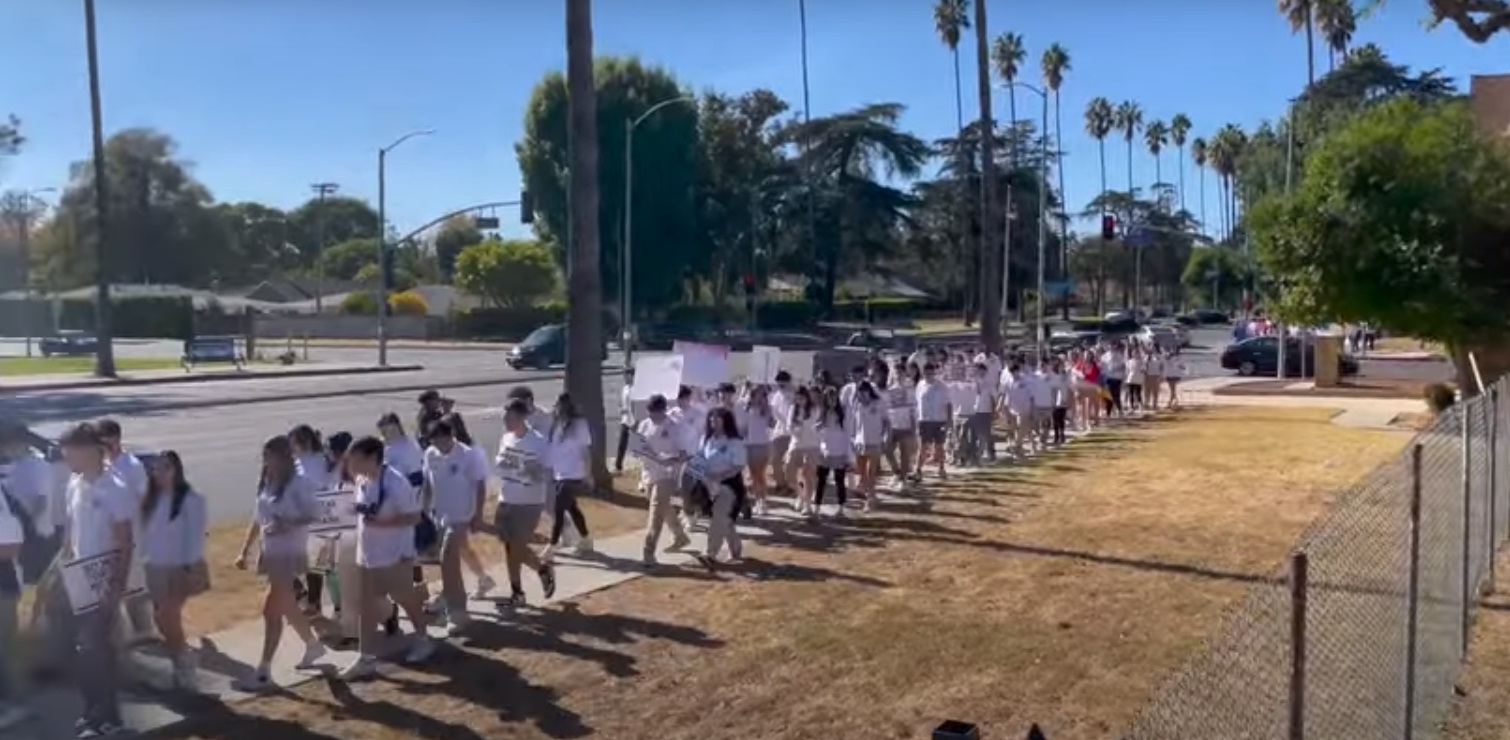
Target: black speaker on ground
(951,729)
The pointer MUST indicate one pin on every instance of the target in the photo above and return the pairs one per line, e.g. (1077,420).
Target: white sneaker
(254,684)
(314,652)
(421,651)
(485,586)
(364,666)
(584,546)
(436,605)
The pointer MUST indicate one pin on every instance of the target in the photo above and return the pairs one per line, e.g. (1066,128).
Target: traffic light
(749,284)
(526,207)
(1108,227)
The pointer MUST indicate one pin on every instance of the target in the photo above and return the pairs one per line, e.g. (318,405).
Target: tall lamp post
(626,260)
(384,257)
(1043,220)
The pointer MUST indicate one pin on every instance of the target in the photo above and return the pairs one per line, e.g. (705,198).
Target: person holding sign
(101,516)
(662,451)
(456,484)
(285,507)
(175,523)
(522,495)
(12,536)
(718,467)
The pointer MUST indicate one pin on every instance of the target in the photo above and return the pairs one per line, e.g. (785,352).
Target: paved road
(406,355)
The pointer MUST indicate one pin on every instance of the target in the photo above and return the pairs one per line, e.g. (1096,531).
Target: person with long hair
(933,413)
(571,446)
(756,422)
(902,425)
(285,507)
(835,452)
(802,458)
(175,522)
(314,464)
(348,600)
(723,457)
(869,416)
(1089,394)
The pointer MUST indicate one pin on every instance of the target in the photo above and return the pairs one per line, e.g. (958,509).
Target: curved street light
(626,262)
(1043,224)
(383,272)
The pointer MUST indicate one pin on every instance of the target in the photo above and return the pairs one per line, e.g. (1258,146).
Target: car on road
(1165,338)
(68,344)
(544,347)
(1260,356)
(883,339)
(1202,317)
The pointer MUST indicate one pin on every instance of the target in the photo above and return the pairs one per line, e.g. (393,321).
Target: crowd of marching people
(708,457)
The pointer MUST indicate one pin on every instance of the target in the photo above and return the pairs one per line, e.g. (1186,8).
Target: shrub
(359,303)
(1440,396)
(408,303)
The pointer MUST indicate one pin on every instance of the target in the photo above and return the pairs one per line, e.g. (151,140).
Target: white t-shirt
(1113,366)
(665,439)
(1153,366)
(1135,371)
(847,395)
(11,535)
(754,425)
(626,407)
(781,411)
(933,401)
(1040,390)
(540,420)
(379,546)
(95,508)
(30,481)
(1020,397)
(533,445)
(317,469)
(453,478)
(131,471)
(868,422)
(725,456)
(1059,387)
(404,455)
(834,441)
(804,431)
(296,503)
(170,541)
(691,421)
(570,444)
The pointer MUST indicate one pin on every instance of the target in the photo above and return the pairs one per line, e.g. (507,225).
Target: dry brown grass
(1406,344)
(1401,388)
(238,593)
(1480,713)
(1058,593)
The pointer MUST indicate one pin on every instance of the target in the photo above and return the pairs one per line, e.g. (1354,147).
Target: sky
(266,97)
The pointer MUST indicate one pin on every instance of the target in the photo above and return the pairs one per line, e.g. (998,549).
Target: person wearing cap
(429,413)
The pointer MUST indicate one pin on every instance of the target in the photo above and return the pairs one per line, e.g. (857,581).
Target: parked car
(68,344)
(1163,337)
(1260,356)
(883,339)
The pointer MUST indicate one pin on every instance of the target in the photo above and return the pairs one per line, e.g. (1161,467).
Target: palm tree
(1155,136)
(584,336)
(1100,119)
(990,310)
(1129,119)
(1198,155)
(1336,20)
(950,19)
(1179,128)
(1300,14)
(1008,54)
(1055,62)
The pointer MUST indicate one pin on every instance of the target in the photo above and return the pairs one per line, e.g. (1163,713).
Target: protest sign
(765,362)
(88,580)
(656,375)
(703,365)
(338,512)
(518,467)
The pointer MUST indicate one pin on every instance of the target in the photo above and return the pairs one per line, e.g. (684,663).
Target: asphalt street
(218,427)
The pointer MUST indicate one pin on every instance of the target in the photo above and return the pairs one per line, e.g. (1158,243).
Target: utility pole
(321,189)
(104,354)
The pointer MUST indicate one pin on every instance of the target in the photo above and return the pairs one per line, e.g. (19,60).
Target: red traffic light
(1108,227)
(749,280)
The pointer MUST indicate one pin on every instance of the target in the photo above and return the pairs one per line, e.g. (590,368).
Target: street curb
(1407,357)
(82,384)
(397,347)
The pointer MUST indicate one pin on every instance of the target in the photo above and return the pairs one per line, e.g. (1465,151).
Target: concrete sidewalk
(227,656)
(79,381)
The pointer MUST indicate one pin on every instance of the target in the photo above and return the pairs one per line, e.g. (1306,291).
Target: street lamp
(626,262)
(1043,223)
(383,256)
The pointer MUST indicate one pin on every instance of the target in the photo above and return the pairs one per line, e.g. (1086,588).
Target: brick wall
(1489,99)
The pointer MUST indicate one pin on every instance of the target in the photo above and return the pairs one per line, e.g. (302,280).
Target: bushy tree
(455,235)
(514,272)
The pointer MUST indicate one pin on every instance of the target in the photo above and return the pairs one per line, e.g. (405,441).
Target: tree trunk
(1064,223)
(1137,251)
(971,243)
(1310,48)
(990,310)
(584,320)
(1182,177)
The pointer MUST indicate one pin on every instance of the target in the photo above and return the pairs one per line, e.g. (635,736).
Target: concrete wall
(273,326)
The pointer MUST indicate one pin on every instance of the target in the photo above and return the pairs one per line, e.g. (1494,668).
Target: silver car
(1165,338)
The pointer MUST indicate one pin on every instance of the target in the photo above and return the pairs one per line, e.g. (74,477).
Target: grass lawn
(1058,593)
(1406,344)
(11,367)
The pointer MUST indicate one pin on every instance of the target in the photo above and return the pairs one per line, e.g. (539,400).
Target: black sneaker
(548,580)
(390,625)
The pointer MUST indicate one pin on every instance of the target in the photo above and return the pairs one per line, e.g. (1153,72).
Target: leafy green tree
(1478,20)
(1401,220)
(345,261)
(338,219)
(665,153)
(359,303)
(1215,276)
(403,279)
(742,179)
(455,235)
(10,135)
(510,273)
(259,243)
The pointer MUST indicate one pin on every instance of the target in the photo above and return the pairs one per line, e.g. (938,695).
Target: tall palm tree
(1155,136)
(1100,119)
(990,310)
(1008,54)
(584,320)
(1129,119)
(950,19)
(1301,15)
(1179,129)
(1198,155)
(1055,62)
(1337,21)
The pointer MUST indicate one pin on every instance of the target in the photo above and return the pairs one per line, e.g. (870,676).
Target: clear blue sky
(268,96)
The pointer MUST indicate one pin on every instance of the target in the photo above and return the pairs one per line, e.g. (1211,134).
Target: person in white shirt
(869,434)
(902,423)
(659,472)
(134,473)
(933,418)
(312,463)
(388,509)
(984,412)
(802,458)
(722,458)
(175,525)
(1114,370)
(12,537)
(1019,404)
(836,452)
(523,464)
(1153,377)
(781,433)
(285,507)
(1043,404)
(1062,393)
(456,485)
(29,486)
(690,416)
(101,522)
(756,422)
(627,422)
(571,447)
(402,453)
(1134,382)
(1174,371)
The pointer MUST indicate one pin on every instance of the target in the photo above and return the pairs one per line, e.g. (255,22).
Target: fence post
(1412,590)
(1300,576)
(1492,411)
(1467,527)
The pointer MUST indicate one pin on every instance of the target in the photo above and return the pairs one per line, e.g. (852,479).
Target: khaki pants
(662,514)
(350,577)
(453,591)
(779,447)
(379,586)
(721,524)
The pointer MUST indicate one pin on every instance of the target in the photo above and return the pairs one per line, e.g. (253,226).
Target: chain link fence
(1361,633)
